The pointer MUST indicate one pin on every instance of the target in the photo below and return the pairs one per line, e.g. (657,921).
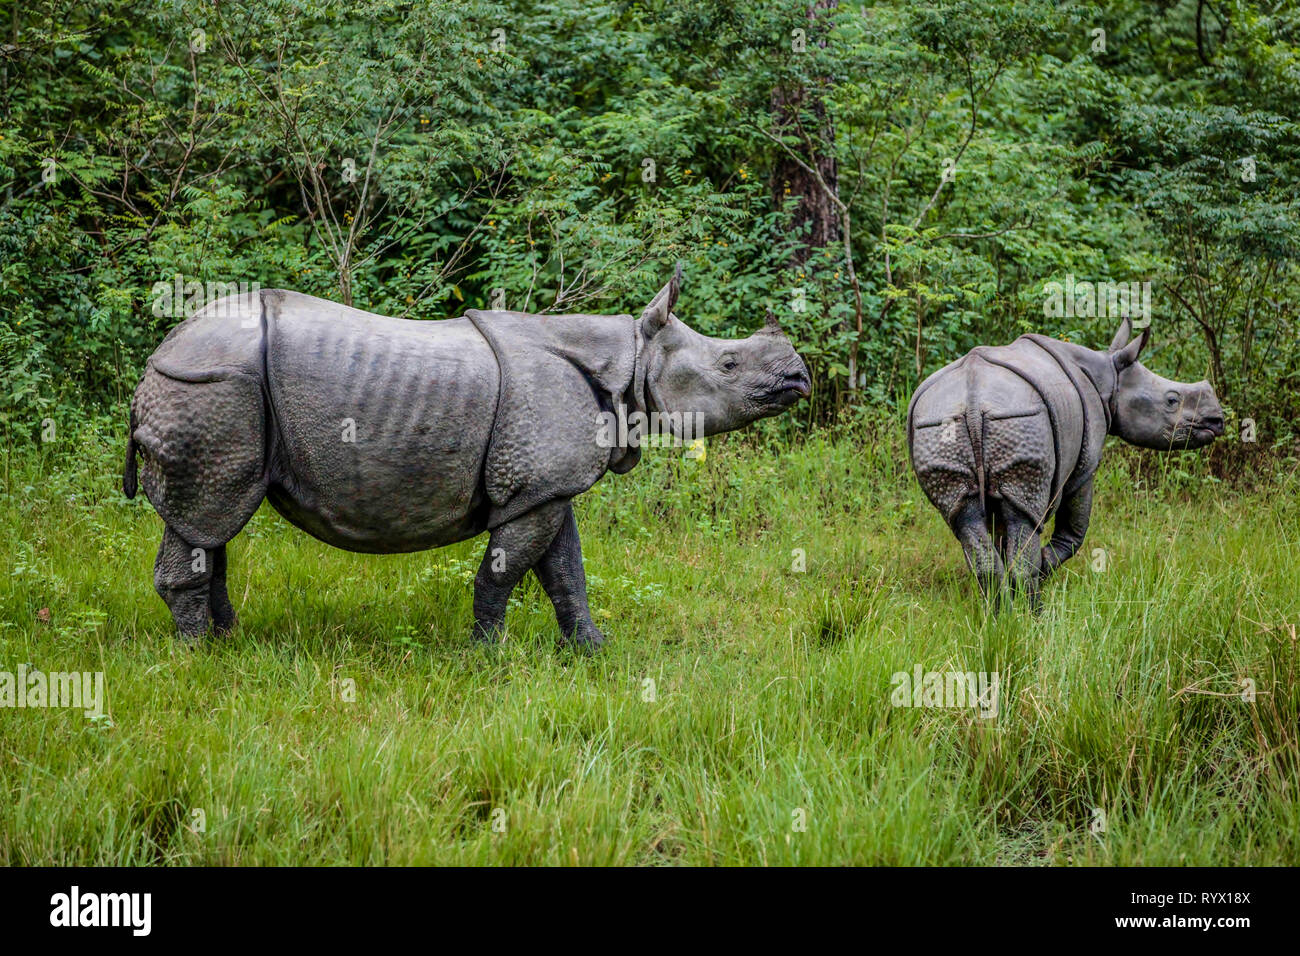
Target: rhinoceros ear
(660,309)
(1122,336)
(1130,352)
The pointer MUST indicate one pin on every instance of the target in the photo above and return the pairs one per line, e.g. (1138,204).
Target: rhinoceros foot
(585,637)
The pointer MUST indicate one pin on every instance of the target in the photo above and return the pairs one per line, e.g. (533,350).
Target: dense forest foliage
(897,181)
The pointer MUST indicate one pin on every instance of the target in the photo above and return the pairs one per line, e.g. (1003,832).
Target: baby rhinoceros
(1007,437)
(387,435)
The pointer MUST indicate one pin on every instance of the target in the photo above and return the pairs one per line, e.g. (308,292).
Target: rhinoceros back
(368,432)
(382,424)
(1003,423)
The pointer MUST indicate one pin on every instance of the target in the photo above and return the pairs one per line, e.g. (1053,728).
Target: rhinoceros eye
(1171,399)
(729,365)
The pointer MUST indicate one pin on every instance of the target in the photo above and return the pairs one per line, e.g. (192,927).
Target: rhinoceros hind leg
(1024,557)
(224,618)
(969,526)
(513,548)
(182,576)
(203,452)
(1070,528)
(561,573)
(998,529)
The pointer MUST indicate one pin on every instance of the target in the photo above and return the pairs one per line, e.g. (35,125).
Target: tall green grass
(740,715)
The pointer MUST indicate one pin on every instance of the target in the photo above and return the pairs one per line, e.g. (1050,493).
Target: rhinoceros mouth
(790,390)
(1194,436)
(1200,432)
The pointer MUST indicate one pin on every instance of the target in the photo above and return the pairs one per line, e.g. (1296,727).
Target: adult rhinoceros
(1008,436)
(387,435)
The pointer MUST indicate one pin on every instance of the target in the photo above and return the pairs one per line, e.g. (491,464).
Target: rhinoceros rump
(1007,437)
(385,435)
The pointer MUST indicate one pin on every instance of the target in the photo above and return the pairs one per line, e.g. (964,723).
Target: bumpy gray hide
(1008,437)
(386,435)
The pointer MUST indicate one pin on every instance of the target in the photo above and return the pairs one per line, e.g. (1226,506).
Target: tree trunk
(815,218)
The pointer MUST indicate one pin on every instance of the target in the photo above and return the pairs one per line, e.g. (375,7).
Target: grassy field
(741,714)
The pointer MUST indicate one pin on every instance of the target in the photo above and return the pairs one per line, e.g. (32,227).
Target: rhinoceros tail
(129,483)
(975,430)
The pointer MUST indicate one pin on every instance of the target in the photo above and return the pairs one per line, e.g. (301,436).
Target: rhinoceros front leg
(562,575)
(512,549)
(1068,530)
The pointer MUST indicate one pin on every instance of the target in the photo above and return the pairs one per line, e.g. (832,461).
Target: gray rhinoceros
(1007,437)
(387,435)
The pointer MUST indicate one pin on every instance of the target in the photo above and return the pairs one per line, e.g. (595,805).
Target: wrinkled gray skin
(1007,437)
(386,435)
